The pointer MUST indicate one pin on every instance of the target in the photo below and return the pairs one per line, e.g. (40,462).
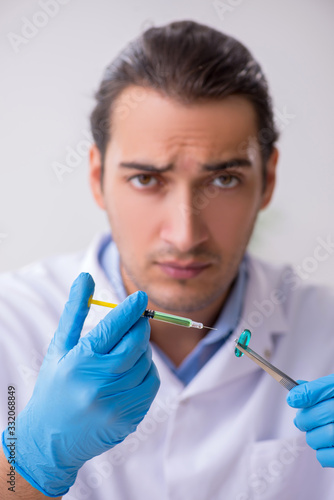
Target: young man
(184,158)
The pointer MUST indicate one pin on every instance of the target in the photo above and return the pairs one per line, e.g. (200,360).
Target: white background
(47,85)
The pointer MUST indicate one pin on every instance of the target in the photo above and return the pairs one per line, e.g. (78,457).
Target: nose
(183,226)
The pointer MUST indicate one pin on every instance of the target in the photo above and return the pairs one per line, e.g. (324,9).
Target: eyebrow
(222,165)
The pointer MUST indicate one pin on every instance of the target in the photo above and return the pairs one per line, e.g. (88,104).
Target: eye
(143,180)
(226,181)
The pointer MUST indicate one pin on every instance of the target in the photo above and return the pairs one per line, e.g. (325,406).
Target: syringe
(160,316)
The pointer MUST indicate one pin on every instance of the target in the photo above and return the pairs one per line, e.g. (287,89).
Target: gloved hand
(91,392)
(316,417)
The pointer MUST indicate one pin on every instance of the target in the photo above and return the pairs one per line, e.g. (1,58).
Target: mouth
(185,270)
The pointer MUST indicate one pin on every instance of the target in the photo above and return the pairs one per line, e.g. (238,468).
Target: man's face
(182,187)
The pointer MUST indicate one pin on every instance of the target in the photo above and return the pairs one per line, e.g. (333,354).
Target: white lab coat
(229,434)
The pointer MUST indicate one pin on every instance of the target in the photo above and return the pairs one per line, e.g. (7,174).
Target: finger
(139,398)
(316,416)
(321,437)
(135,403)
(145,391)
(151,383)
(117,322)
(131,379)
(326,457)
(74,314)
(131,346)
(311,393)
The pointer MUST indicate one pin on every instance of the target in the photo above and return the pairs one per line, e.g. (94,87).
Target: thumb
(116,324)
(74,314)
(310,393)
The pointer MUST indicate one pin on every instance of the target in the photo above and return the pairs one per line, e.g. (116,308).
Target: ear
(95,172)
(270,178)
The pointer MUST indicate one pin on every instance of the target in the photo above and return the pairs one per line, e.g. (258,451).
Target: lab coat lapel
(103,289)
(224,366)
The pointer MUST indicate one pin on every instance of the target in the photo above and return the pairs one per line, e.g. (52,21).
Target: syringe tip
(194,324)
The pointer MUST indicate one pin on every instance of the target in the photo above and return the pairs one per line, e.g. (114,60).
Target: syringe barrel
(170,318)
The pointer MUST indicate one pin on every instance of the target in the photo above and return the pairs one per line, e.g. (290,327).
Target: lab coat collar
(90,263)
(103,289)
(264,318)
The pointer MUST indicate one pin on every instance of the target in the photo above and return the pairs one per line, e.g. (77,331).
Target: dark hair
(189,62)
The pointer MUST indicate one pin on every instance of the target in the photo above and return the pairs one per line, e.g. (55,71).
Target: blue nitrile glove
(90,393)
(316,417)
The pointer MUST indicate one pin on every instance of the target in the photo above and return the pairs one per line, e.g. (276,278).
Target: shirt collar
(231,311)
